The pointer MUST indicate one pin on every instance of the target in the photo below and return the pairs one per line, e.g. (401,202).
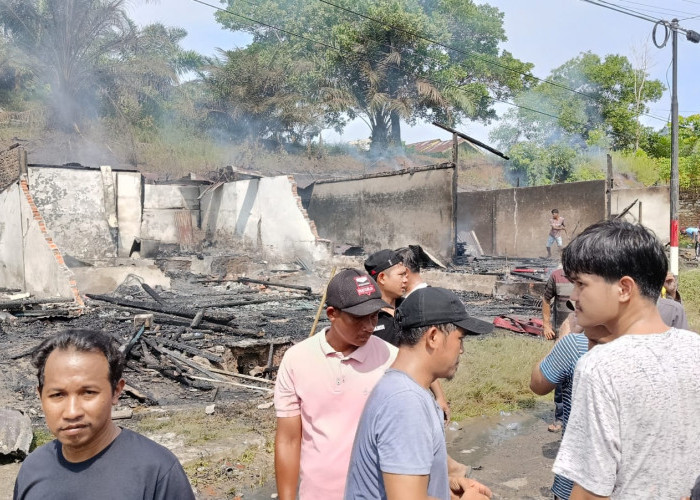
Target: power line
(657,9)
(488,61)
(456,87)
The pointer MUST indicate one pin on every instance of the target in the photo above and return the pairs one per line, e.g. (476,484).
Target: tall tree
(63,42)
(393,64)
(607,101)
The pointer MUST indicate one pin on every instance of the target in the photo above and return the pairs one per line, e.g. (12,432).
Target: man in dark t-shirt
(79,374)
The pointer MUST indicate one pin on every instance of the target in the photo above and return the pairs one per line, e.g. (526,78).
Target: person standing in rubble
(556,228)
(322,385)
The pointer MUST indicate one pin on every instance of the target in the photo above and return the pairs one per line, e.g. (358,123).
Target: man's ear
(381,278)
(626,288)
(118,391)
(432,337)
(332,313)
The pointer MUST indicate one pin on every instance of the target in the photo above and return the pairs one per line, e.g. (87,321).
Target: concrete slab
(15,433)
(170,197)
(107,279)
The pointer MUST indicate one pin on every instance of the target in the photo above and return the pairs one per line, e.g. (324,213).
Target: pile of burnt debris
(207,333)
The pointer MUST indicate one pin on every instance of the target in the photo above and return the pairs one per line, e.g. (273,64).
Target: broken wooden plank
(189,349)
(235,384)
(243,279)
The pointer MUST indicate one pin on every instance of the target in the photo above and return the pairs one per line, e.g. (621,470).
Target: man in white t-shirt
(634,427)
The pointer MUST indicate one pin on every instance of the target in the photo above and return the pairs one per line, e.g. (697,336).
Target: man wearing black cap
(399,450)
(386,267)
(322,385)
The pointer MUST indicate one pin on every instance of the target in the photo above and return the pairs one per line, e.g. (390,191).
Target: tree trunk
(395,140)
(380,134)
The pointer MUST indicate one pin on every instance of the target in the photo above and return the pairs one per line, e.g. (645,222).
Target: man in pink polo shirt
(322,385)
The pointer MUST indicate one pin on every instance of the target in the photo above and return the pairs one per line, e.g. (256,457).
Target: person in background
(670,288)
(556,228)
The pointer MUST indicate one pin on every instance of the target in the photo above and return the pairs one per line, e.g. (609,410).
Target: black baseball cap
(381,261)
(355,293)
(435,306)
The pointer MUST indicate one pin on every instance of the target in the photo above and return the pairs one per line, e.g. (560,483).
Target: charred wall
(72,202)
(516,221)
(10,165)
(388,210)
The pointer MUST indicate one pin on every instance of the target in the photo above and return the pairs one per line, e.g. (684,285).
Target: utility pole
(671,29)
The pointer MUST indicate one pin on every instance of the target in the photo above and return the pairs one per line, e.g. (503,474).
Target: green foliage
(383,73)
(544,165)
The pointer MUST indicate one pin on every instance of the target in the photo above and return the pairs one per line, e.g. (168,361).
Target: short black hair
(81,340)
(410,259)
(555,210)
(411,336)
(616,248)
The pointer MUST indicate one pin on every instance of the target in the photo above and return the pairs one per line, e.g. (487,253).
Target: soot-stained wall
(516,221)
(388,210)
(72,202)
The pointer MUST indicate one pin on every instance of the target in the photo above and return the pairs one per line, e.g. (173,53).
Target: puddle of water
(479,436)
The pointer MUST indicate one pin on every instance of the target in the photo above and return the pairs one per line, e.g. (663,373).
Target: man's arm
(287,456)
(547,319)
(403,487)
(539,384)
(579,493)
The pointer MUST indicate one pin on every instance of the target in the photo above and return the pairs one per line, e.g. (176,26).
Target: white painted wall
(655,208)
(11,259)
(160,204)
(263,213)
(128,209)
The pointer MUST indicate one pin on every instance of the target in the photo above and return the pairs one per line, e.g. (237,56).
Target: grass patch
(40,437)
(494,375)
(689,286)
(196,429)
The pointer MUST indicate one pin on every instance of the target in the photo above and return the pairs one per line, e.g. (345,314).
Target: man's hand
(548,332)
(468,489)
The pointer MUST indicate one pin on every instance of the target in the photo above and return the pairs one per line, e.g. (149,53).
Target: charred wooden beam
(189,349)
(150,291)
(306,289)
(221,319)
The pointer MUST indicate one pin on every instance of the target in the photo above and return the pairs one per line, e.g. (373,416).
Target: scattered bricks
(143,319)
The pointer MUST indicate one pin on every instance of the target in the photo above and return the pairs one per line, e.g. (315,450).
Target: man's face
(393,281)
(77,399)
(555,215)
(596,300)
(453,349)
(670,283)
(352,330)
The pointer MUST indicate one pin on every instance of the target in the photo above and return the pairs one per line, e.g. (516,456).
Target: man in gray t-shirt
(634,427)
(399,447)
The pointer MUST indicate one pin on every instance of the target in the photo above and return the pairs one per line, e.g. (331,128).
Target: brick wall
(9,166)
(689,207)
(52,245)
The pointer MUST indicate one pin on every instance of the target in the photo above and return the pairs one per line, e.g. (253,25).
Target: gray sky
(544,32)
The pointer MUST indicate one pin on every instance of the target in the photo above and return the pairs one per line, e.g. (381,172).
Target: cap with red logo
(355,293)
